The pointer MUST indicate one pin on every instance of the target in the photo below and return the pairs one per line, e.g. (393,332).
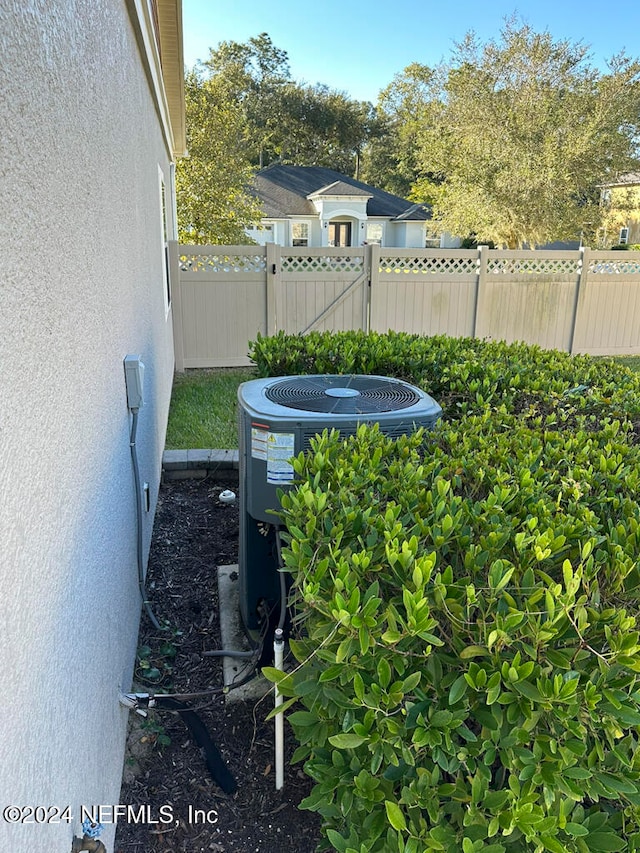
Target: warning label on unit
(280,449)
(259,443)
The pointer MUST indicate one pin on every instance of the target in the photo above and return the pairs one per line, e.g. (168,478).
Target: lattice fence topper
(428,266)
(600,267)
(223,263)
(534,266)
(321,263)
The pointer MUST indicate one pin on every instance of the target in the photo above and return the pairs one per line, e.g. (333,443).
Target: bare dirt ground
(165,769)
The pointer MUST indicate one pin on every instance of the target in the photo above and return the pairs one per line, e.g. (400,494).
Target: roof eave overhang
(163,56)
(171,40)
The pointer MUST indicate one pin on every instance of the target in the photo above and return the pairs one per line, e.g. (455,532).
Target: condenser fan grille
(342,395)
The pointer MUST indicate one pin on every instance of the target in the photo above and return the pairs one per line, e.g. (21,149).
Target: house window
(624,235)
(164,232)
(432,240)
(299,233)
(374,232)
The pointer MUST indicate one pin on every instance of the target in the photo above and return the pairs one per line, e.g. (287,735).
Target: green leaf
(495,799)
(457,690)
(411,681)
(281,708)
(337,841)
(529,690)
(395,816)
(303,718)
(384,673)
(441,719)
(605,842)
(552,844)
(615,783)
(391,637)
(276,676)
(576,829)
(347,740)
(473,652)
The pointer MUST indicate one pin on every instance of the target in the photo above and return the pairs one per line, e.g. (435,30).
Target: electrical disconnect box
(134,379)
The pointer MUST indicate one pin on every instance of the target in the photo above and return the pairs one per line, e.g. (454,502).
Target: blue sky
(357,46)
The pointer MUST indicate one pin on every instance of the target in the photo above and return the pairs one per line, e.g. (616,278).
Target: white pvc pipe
(278,660)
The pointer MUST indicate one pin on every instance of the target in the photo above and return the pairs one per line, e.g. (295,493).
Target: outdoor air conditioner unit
(277,418)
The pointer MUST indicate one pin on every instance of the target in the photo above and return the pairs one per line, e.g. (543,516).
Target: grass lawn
(632,361)
(204,408)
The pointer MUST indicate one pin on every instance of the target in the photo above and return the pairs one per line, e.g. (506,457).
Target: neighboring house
(92,121)
(313,206)
(621,199)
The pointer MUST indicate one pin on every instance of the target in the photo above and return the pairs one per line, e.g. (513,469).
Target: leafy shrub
(466,598)
(464,375)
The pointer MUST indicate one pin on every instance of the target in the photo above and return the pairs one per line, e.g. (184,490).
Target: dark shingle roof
(340,188)
(283,191)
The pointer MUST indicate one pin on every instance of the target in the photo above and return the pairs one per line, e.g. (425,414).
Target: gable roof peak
(340,188)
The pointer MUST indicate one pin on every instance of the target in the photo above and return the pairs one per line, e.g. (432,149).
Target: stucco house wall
(411,235)
(621,202)
(84,144)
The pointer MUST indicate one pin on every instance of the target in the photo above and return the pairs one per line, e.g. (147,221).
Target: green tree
(521,130)
(251,76)
(391,157)
(288,121)
(322,127)
(213,199)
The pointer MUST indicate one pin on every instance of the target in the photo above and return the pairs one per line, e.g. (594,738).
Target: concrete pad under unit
(233,637)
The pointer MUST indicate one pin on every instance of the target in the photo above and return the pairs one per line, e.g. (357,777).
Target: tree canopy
(390,159)
(511,138)
(213,199)
(288,121)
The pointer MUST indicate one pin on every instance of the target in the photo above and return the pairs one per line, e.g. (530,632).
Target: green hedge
(469,655)
(464,375)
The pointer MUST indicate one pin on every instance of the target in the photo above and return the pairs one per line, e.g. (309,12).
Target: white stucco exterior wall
(82,286)
(409,235)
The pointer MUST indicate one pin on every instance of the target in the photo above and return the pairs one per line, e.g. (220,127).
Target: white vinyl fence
(578,301)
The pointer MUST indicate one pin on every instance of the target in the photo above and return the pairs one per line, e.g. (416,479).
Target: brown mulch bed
(193,534)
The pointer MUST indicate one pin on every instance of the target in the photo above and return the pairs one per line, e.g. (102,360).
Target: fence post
(272,279)
(581,286)
(483,257)
(175,283)
(373,259)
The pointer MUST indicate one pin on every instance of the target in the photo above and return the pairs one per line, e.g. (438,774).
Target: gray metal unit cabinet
(277,419)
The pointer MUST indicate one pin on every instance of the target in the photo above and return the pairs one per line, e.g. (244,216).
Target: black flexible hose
(215,763)
(139,545)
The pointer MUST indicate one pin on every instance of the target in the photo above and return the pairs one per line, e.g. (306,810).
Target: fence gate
(321,289)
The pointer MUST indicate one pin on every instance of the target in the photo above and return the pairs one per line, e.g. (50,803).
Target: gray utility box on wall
(277,418)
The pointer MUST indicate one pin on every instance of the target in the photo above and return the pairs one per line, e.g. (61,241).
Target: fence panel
(608,315)
(223,298)
(580,301)
(529,296)
(424,291)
